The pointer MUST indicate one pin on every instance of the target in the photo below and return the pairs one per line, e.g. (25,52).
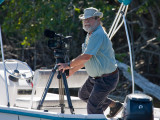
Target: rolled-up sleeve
(94,44)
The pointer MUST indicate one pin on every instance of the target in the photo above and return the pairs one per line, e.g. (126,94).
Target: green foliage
(142,10)
(30,18)
(158,38)
(27,20)
(120,56)
(77,10)
(129,70)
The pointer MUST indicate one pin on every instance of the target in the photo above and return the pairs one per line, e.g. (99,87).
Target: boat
(23,104)
(25,96)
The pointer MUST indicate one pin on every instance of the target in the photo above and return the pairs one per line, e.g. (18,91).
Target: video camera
(57,41)
(60,45)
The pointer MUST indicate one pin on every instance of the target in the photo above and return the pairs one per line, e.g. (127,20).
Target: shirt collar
(95,29)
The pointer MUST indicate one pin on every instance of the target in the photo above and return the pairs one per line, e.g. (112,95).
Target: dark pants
(95,92)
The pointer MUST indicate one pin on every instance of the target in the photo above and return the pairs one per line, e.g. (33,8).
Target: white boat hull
(20,107)
(13,113)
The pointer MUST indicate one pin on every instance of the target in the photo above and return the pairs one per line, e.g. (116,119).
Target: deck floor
(79,106)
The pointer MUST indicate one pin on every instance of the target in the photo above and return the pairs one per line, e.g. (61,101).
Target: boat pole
(126,3)
(5,76)
(130,52)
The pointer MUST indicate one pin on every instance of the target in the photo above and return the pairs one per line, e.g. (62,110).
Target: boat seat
(22,88)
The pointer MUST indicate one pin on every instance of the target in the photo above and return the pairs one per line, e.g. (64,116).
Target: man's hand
(76,63)
(63,66)
(71,72)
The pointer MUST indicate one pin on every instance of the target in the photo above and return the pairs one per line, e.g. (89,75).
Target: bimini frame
(116,26)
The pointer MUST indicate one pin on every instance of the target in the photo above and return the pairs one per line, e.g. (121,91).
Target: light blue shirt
(103,59)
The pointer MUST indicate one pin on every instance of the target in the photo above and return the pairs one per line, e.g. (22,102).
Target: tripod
(59,76)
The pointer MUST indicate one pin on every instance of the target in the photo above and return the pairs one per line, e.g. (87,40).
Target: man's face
(90,24)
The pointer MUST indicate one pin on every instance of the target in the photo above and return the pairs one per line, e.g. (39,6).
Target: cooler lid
(139,97)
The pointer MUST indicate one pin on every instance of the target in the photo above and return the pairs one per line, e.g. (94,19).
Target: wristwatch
(69,64)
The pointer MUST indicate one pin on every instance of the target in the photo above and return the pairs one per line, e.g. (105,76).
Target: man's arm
(80,60)
(75,69)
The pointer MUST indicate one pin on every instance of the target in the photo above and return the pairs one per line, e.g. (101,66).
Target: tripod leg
(67,93)
(47,87)
(61,94)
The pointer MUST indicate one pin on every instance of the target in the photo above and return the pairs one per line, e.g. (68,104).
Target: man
(99,60)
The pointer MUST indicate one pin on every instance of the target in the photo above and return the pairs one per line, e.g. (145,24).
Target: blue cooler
(137,107)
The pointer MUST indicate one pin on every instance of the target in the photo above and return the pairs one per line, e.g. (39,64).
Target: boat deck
(22,102)
(79,106)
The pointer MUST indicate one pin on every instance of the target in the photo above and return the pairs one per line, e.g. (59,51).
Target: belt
(105,75)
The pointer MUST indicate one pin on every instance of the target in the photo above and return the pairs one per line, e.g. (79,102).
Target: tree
(24,22)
